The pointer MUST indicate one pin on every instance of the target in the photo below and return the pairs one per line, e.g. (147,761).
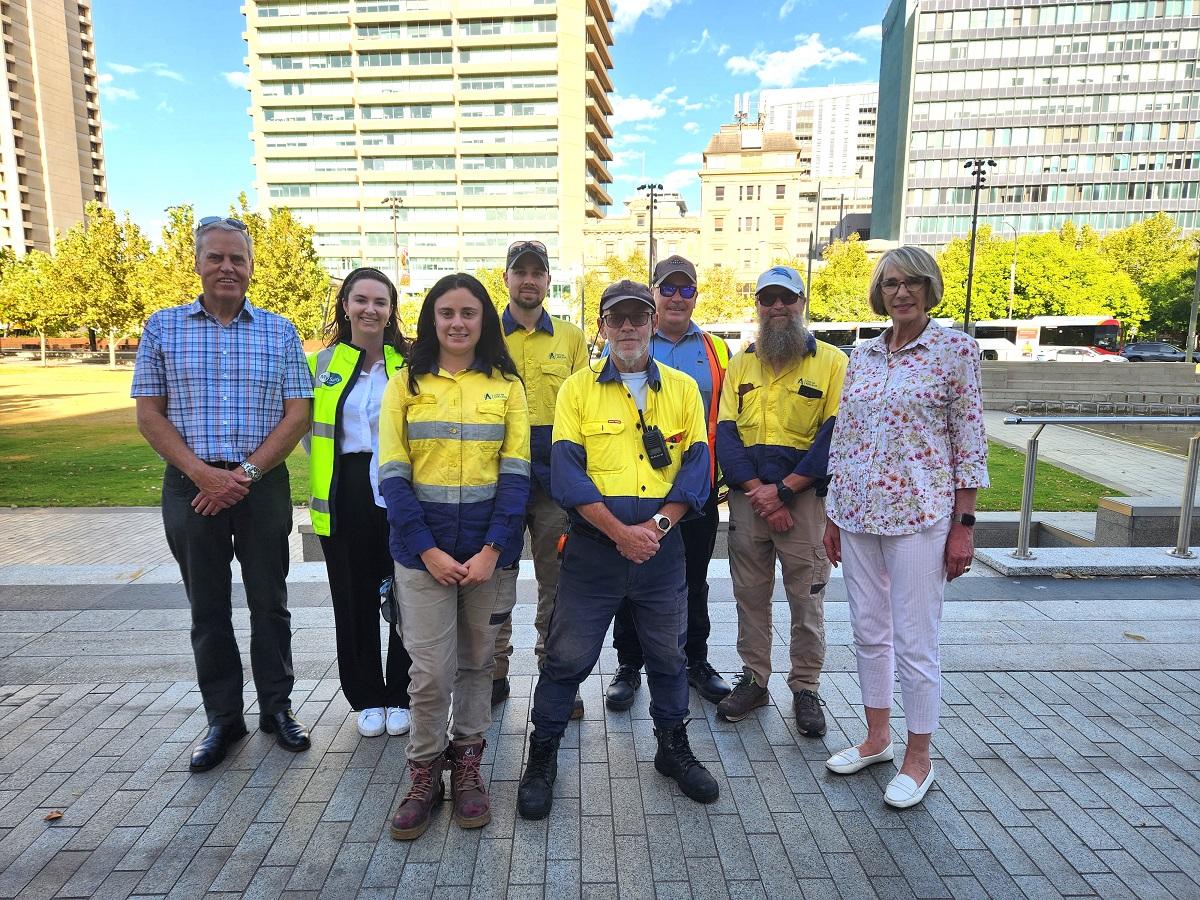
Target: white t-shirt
(635,383)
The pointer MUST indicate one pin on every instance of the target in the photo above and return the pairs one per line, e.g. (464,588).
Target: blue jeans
(594,582)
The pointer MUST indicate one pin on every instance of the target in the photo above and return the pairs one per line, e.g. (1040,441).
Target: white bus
(1041,337)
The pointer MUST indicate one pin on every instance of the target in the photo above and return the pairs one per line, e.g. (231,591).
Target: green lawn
(1055,490)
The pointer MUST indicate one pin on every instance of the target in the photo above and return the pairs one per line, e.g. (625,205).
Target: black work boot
(535,795)
(622,688)
(676,760)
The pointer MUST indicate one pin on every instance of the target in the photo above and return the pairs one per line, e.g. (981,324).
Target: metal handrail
(1187,501)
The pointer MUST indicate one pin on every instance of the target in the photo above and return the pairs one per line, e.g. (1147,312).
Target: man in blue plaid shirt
(223,394)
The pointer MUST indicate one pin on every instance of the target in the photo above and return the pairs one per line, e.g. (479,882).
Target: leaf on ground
(1061,575)
(52,815)
(1135,637)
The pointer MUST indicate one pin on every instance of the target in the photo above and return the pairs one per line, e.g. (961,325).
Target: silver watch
(252,471)
(663,523)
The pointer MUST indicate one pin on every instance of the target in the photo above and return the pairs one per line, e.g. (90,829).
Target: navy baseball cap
(625,290)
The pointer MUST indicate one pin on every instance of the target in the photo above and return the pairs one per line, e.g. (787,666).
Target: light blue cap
(784,277)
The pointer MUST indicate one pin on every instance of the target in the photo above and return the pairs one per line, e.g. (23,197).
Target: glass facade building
(1091,111)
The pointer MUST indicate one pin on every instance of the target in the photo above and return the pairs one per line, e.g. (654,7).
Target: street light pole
(395,204)
(1189,351)
(1012,268)
(978,168)
(652,188)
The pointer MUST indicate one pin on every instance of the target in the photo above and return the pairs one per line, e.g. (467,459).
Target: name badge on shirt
(329,379)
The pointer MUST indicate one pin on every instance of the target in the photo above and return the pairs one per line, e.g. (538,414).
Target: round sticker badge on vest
(329,379)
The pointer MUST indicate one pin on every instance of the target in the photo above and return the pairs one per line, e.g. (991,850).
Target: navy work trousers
(594,582)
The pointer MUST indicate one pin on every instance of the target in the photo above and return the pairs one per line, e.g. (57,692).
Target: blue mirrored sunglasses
(686,291)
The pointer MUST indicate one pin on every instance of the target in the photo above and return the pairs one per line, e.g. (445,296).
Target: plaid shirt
(225,384)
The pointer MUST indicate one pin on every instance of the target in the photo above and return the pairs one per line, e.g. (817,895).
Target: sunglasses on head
(686,291)
(222,220)
(786,298)
(525,246)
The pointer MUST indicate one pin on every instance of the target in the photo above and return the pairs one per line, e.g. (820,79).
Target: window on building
(719,192)
(641,220)
(780,191)
(718,223)
(779,223)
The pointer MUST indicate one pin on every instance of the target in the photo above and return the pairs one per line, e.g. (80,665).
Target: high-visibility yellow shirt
(773,424)
(598,451)
(545,357)
(454,464)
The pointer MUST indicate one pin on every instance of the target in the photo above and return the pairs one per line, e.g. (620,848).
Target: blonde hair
(910,262)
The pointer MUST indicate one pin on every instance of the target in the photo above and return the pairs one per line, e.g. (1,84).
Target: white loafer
(370,722)
(902,792)
(849,761)
(398,720)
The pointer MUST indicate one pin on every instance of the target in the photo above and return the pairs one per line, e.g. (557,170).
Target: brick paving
(1067,765)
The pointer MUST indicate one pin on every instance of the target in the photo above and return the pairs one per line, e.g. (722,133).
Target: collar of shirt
(475,366)
(611,373)
(927,338)
(196,308)
(692,328)
(544,322)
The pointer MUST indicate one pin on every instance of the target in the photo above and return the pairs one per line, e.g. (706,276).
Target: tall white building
(834,124)
(488,119)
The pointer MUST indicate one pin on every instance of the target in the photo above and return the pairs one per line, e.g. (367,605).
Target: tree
(493,279)
(168,276)
(1168,296)
(615,268)
(288,276)
(95,266)
(1155,254)
(28,299)
(840,289)
(719,299)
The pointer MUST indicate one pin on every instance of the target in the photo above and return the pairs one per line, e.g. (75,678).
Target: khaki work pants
(449,632)
(753,549)
(546,522)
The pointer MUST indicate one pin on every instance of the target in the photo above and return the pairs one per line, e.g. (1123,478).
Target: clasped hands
(448,571)
(764,500)
(219,489)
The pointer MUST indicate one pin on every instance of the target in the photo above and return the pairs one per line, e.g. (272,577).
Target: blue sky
(176,128)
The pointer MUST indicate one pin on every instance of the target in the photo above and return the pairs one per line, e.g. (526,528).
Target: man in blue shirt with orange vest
(681,344)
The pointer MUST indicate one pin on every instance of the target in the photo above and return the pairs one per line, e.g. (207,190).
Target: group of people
(430,459)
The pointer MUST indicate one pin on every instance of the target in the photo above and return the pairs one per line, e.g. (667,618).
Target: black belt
(222,464)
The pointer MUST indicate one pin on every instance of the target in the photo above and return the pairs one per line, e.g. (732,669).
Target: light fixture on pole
(652,188)
(978,169)
(395,204)
(1012,268)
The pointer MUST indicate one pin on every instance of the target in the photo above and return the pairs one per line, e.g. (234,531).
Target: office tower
(486,120)
(51,152)
(1089,109)
(835,125)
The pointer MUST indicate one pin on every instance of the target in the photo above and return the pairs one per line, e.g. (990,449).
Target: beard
(629,357)
(525,302)
(781,340)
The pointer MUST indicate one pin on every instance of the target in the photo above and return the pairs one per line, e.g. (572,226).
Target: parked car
(1082,354)
(1152,351)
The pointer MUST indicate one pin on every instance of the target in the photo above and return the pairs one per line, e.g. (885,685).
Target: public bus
(1041,337)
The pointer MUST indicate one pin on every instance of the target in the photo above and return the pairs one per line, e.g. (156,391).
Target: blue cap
(784,277)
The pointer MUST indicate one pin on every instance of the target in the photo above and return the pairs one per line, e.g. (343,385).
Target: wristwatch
(967,519)
(252,471)
(786,494)
(663,523)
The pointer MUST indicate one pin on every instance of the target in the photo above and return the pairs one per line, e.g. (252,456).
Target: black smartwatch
(786,494)
(967,519)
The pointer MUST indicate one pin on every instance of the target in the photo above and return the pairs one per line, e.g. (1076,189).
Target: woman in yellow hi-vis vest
(365,349)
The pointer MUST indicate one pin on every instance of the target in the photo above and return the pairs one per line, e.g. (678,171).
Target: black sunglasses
(222,220)
(770,300)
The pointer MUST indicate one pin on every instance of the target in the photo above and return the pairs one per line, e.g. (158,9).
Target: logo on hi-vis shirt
(329,379)
(555,356)
(495,396)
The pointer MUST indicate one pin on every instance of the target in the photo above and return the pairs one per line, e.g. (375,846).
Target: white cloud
(111,92)
(684,104)
(163,72)
(623,159)
(123,69)
(635,109)
(691,127)
(679,179)
(690,159)
(627,12)
(704,42)
(868,33)
(783,68)
(238,79)
(626,138)
(786,9)
(164,106)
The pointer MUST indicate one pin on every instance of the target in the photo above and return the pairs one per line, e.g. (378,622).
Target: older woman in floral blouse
(908,453)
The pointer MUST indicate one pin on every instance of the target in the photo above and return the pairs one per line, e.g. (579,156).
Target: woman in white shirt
(365,349)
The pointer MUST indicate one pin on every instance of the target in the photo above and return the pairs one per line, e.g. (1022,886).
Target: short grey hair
(910,262)
(224,226)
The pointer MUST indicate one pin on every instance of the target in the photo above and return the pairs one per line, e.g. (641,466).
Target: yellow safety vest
(334,370)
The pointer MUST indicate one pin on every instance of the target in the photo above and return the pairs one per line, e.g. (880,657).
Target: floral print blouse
(909,433)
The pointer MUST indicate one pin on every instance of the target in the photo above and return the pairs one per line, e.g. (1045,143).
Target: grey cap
(670,266)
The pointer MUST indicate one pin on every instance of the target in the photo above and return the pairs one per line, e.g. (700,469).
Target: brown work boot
(425,789)
(747,695)
(472,808)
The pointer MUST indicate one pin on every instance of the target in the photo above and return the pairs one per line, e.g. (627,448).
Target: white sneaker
(370,722)
(398,720)
(903,792)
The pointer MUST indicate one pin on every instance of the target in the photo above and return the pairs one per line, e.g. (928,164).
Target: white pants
(895,584)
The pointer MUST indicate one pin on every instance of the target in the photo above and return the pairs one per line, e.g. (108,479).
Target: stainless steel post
(1031,451)
(1184,537)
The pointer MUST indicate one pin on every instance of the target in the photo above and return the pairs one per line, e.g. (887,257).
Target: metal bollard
(1031,451)
(1184,537)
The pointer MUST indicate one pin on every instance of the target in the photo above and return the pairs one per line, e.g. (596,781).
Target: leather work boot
(472,807)
(535,795)
(810,718)
(707,682)
(425,789)
(621,690)
(747,695)
(500,690)
(676,760)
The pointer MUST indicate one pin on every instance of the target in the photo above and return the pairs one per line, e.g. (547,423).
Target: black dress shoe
(710,685)
(216,743)
(289,733)
(624,685)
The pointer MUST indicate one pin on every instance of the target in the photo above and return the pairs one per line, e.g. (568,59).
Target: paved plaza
(1067,761)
